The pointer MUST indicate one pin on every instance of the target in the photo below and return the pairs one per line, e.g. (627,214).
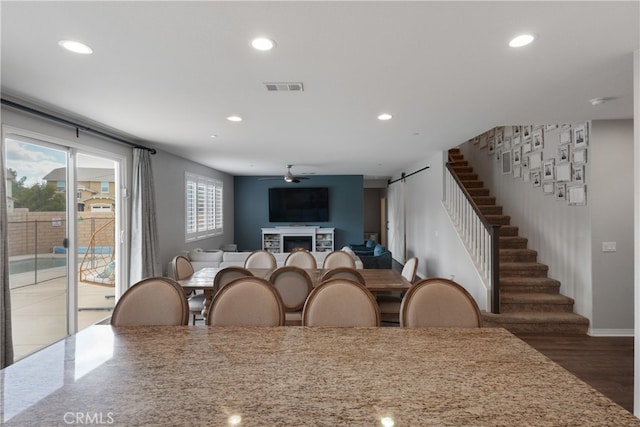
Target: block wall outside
(38,232)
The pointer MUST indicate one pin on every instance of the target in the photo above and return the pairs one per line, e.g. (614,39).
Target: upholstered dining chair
(151,302)
(294,285)
(301,258)
(343,273)
(341,303)
(389,303)
(182,270)
(247,301)
(438,302)
(260,259)
(337,259)
(228,274)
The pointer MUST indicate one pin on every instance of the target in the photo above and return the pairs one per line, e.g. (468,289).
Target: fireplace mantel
(321,237)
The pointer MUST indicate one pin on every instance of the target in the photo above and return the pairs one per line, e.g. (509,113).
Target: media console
(287,238)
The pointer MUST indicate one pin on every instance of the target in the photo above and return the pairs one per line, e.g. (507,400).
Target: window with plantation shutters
(203,203)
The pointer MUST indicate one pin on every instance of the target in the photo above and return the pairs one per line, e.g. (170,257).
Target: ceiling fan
(288,177)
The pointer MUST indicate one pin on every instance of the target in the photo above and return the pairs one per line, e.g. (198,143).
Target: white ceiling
(169,73)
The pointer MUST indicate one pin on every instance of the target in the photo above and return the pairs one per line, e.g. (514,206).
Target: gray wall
(169,179)
(611,206)
(430,234)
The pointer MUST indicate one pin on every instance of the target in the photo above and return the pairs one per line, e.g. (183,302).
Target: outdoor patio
(39,310)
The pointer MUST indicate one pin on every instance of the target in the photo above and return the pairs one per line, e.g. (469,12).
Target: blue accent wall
(251,208)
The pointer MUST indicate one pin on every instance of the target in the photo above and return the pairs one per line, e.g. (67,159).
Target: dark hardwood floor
(605,363)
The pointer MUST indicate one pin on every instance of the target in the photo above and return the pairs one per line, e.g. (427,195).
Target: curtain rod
(403,175)
(66,122)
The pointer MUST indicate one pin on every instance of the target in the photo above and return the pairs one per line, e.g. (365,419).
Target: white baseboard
(611,332)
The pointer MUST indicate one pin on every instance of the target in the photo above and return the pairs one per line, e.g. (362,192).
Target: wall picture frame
(548,188)
(537,139)
(535,160)
(561,191)
(563,153)
(490,147)
(517,172)
(579,156)
(563,172)
(580,136)
(548,170)
(517,155)
(483,140)
(499,138)
(577,195)
(506,162)
(526,132)
(578,174)
(516,141)
(565,136)
(536,178)
(515,131)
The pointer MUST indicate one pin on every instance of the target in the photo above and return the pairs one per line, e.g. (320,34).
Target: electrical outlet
(609,246)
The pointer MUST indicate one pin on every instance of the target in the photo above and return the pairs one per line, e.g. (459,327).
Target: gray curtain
(145,259)
(6,339)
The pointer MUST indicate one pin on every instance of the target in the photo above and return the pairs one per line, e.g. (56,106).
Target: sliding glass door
(62,233)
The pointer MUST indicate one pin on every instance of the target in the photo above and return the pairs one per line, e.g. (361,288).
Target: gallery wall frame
(577,195)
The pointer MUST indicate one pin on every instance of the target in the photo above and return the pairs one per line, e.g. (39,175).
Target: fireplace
(294,242)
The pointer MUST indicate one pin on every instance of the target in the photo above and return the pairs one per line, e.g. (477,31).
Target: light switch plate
(609,246)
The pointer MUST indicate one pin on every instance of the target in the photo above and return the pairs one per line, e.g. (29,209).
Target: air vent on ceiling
(285,87)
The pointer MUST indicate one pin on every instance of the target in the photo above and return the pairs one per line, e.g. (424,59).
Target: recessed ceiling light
(263,43)
(214,136)
(522,40)
(385,116)
(234,118)
(75,47)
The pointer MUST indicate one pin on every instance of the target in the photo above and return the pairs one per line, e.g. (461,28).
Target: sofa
(200,259)
(373,255)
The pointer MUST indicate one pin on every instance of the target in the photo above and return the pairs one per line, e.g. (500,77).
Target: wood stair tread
(534,317)
(534,298)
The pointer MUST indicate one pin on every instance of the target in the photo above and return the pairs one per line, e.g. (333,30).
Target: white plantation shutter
(203,204)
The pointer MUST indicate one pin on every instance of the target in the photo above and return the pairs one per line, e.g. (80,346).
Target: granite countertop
(196,375)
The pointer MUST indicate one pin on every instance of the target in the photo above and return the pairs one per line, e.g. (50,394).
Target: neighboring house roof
(82,174)
(99,197)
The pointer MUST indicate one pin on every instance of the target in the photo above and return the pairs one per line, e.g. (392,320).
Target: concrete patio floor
(38,312)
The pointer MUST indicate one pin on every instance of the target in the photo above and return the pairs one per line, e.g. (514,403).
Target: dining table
(297,376)
(376,280)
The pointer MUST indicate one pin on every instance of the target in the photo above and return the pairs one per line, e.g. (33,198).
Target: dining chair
(228,274)
(294,285)
(151,302)
(182,270)
(260,259)
(301,258)
(337,259)
(389,303)
(343,273)
(341,303)
(438,302)
(247,301)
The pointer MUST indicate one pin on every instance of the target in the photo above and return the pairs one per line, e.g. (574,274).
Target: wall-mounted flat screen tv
(299,204)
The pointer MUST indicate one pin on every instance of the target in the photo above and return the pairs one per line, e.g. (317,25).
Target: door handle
(65,243)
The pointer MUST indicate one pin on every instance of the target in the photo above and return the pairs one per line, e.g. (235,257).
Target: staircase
(530,301)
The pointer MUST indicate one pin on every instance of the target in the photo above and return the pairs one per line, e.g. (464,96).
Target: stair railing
(481,237)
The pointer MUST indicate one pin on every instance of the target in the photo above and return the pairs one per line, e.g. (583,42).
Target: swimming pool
(26,265)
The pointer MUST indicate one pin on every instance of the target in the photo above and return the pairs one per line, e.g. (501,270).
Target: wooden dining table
(297,376)
(376,280)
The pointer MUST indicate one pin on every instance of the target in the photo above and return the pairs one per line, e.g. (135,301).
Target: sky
(36,161)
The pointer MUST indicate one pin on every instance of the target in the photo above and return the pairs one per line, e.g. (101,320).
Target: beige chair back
(151,302)
(182,268)
(301,258)
(340,302)
(343,273)
(247,301)
(293,284)
(260,259)
(227,275)
(439,302)
(410,269)
(337,259)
